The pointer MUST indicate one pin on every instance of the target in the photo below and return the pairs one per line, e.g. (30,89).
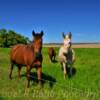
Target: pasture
(84,85)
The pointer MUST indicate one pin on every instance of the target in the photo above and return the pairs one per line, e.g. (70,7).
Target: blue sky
(81,17)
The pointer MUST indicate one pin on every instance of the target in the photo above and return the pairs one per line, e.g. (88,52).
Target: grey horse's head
(67,39)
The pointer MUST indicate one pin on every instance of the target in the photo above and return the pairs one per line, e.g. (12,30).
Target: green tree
(3,38)
(10,38)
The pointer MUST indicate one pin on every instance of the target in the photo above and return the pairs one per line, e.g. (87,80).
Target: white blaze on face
(67,41)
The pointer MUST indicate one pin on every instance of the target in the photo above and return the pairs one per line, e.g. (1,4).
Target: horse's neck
(66,49)
(31,46)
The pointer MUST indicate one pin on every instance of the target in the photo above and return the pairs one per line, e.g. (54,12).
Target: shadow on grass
(54,61)
(71,71)
(45,79)
(1,98)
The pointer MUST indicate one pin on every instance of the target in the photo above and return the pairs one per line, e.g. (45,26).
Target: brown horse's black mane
(30,45)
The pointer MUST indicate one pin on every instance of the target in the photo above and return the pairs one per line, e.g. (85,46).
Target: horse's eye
(40,41)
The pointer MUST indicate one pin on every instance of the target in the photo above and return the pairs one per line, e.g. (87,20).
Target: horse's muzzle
(38,56)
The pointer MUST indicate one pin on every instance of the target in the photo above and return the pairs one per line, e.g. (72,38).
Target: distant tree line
(10,38)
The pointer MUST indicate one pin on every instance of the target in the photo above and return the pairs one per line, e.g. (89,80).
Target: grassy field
(84,85)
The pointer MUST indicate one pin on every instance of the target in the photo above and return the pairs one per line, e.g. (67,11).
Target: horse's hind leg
(28,75)
(50,58)
(54,57)
(11,69)
(19,69)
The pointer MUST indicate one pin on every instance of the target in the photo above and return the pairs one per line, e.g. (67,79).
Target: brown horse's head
(37,41)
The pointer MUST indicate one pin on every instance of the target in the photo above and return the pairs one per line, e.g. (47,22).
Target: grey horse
(66,53)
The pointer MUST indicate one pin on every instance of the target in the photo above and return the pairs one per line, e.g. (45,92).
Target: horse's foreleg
(28,75)
(39,73)
(65,71)
(61,66)
(11,68)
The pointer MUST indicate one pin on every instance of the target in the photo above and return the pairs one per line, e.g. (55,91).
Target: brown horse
(51,53)
(29,56)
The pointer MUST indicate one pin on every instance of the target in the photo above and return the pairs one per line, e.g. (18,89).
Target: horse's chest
(62,51)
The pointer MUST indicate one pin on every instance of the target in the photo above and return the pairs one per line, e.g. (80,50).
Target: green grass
(84,85)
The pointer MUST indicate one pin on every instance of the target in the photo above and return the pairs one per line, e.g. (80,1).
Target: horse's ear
(70,35)
(33,33)
(42,33)
(63,34)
